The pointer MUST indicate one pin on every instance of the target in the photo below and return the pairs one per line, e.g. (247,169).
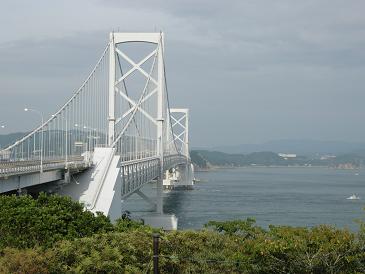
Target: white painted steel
(134,131)
(111,105)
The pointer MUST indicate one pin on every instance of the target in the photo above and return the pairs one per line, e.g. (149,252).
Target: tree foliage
(27,222)
(76,241)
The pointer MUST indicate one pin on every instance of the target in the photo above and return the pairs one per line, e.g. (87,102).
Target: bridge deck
(15,168)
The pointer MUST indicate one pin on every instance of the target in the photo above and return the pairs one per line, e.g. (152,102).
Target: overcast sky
(249,70)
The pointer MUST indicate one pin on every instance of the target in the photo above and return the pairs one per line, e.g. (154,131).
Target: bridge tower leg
(111,105)
(160,121)
(183,175)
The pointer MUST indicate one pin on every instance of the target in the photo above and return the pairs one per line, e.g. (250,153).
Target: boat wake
(353,197)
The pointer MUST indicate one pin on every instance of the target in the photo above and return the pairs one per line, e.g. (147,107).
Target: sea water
(271,195)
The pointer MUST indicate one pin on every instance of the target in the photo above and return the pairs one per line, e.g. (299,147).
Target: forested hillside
(204,159)
(8,139)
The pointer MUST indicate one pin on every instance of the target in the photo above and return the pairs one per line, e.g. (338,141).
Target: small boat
(353,197)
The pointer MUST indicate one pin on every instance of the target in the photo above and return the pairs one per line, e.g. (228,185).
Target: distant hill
(205,159)
(8,139)
(302,147)
(348,155)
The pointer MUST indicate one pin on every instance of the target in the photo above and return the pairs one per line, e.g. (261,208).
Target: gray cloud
(250,71)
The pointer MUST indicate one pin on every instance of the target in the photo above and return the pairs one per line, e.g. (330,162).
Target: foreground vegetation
(52,234)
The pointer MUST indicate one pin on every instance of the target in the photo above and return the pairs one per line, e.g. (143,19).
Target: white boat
(353,197)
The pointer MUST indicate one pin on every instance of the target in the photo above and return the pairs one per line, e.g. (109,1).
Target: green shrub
(56,235)
(245,228)
(104,253)
(126,225)
(26,222)
(322,249)
(27,261)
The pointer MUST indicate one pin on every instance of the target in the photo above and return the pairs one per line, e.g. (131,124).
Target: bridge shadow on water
(175,203)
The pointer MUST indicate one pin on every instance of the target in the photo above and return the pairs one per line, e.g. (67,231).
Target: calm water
(287,196)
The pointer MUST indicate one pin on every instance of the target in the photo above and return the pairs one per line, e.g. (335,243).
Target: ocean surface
(271,195)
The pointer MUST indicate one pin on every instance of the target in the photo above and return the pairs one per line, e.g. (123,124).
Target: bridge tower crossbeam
(111,137)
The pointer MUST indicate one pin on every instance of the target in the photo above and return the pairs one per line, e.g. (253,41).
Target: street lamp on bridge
(42,122)
(89,129)
(66,139)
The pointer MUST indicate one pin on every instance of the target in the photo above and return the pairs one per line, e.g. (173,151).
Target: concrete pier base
(99,187)
(164,221)
(180,177)
(179,187)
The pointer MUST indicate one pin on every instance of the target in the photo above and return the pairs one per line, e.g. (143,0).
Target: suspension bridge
(116,133)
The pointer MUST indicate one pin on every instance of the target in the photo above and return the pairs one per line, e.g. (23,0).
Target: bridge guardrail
(135,174)
(173,160)
(21,167)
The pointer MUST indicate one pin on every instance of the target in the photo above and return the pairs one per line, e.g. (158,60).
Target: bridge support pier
(180,177)
(164,221)
(158,219)
(146,198)
(21,191)
(159,198)
(67,176)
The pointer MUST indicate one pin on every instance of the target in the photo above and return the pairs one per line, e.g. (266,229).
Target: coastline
(214,168)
